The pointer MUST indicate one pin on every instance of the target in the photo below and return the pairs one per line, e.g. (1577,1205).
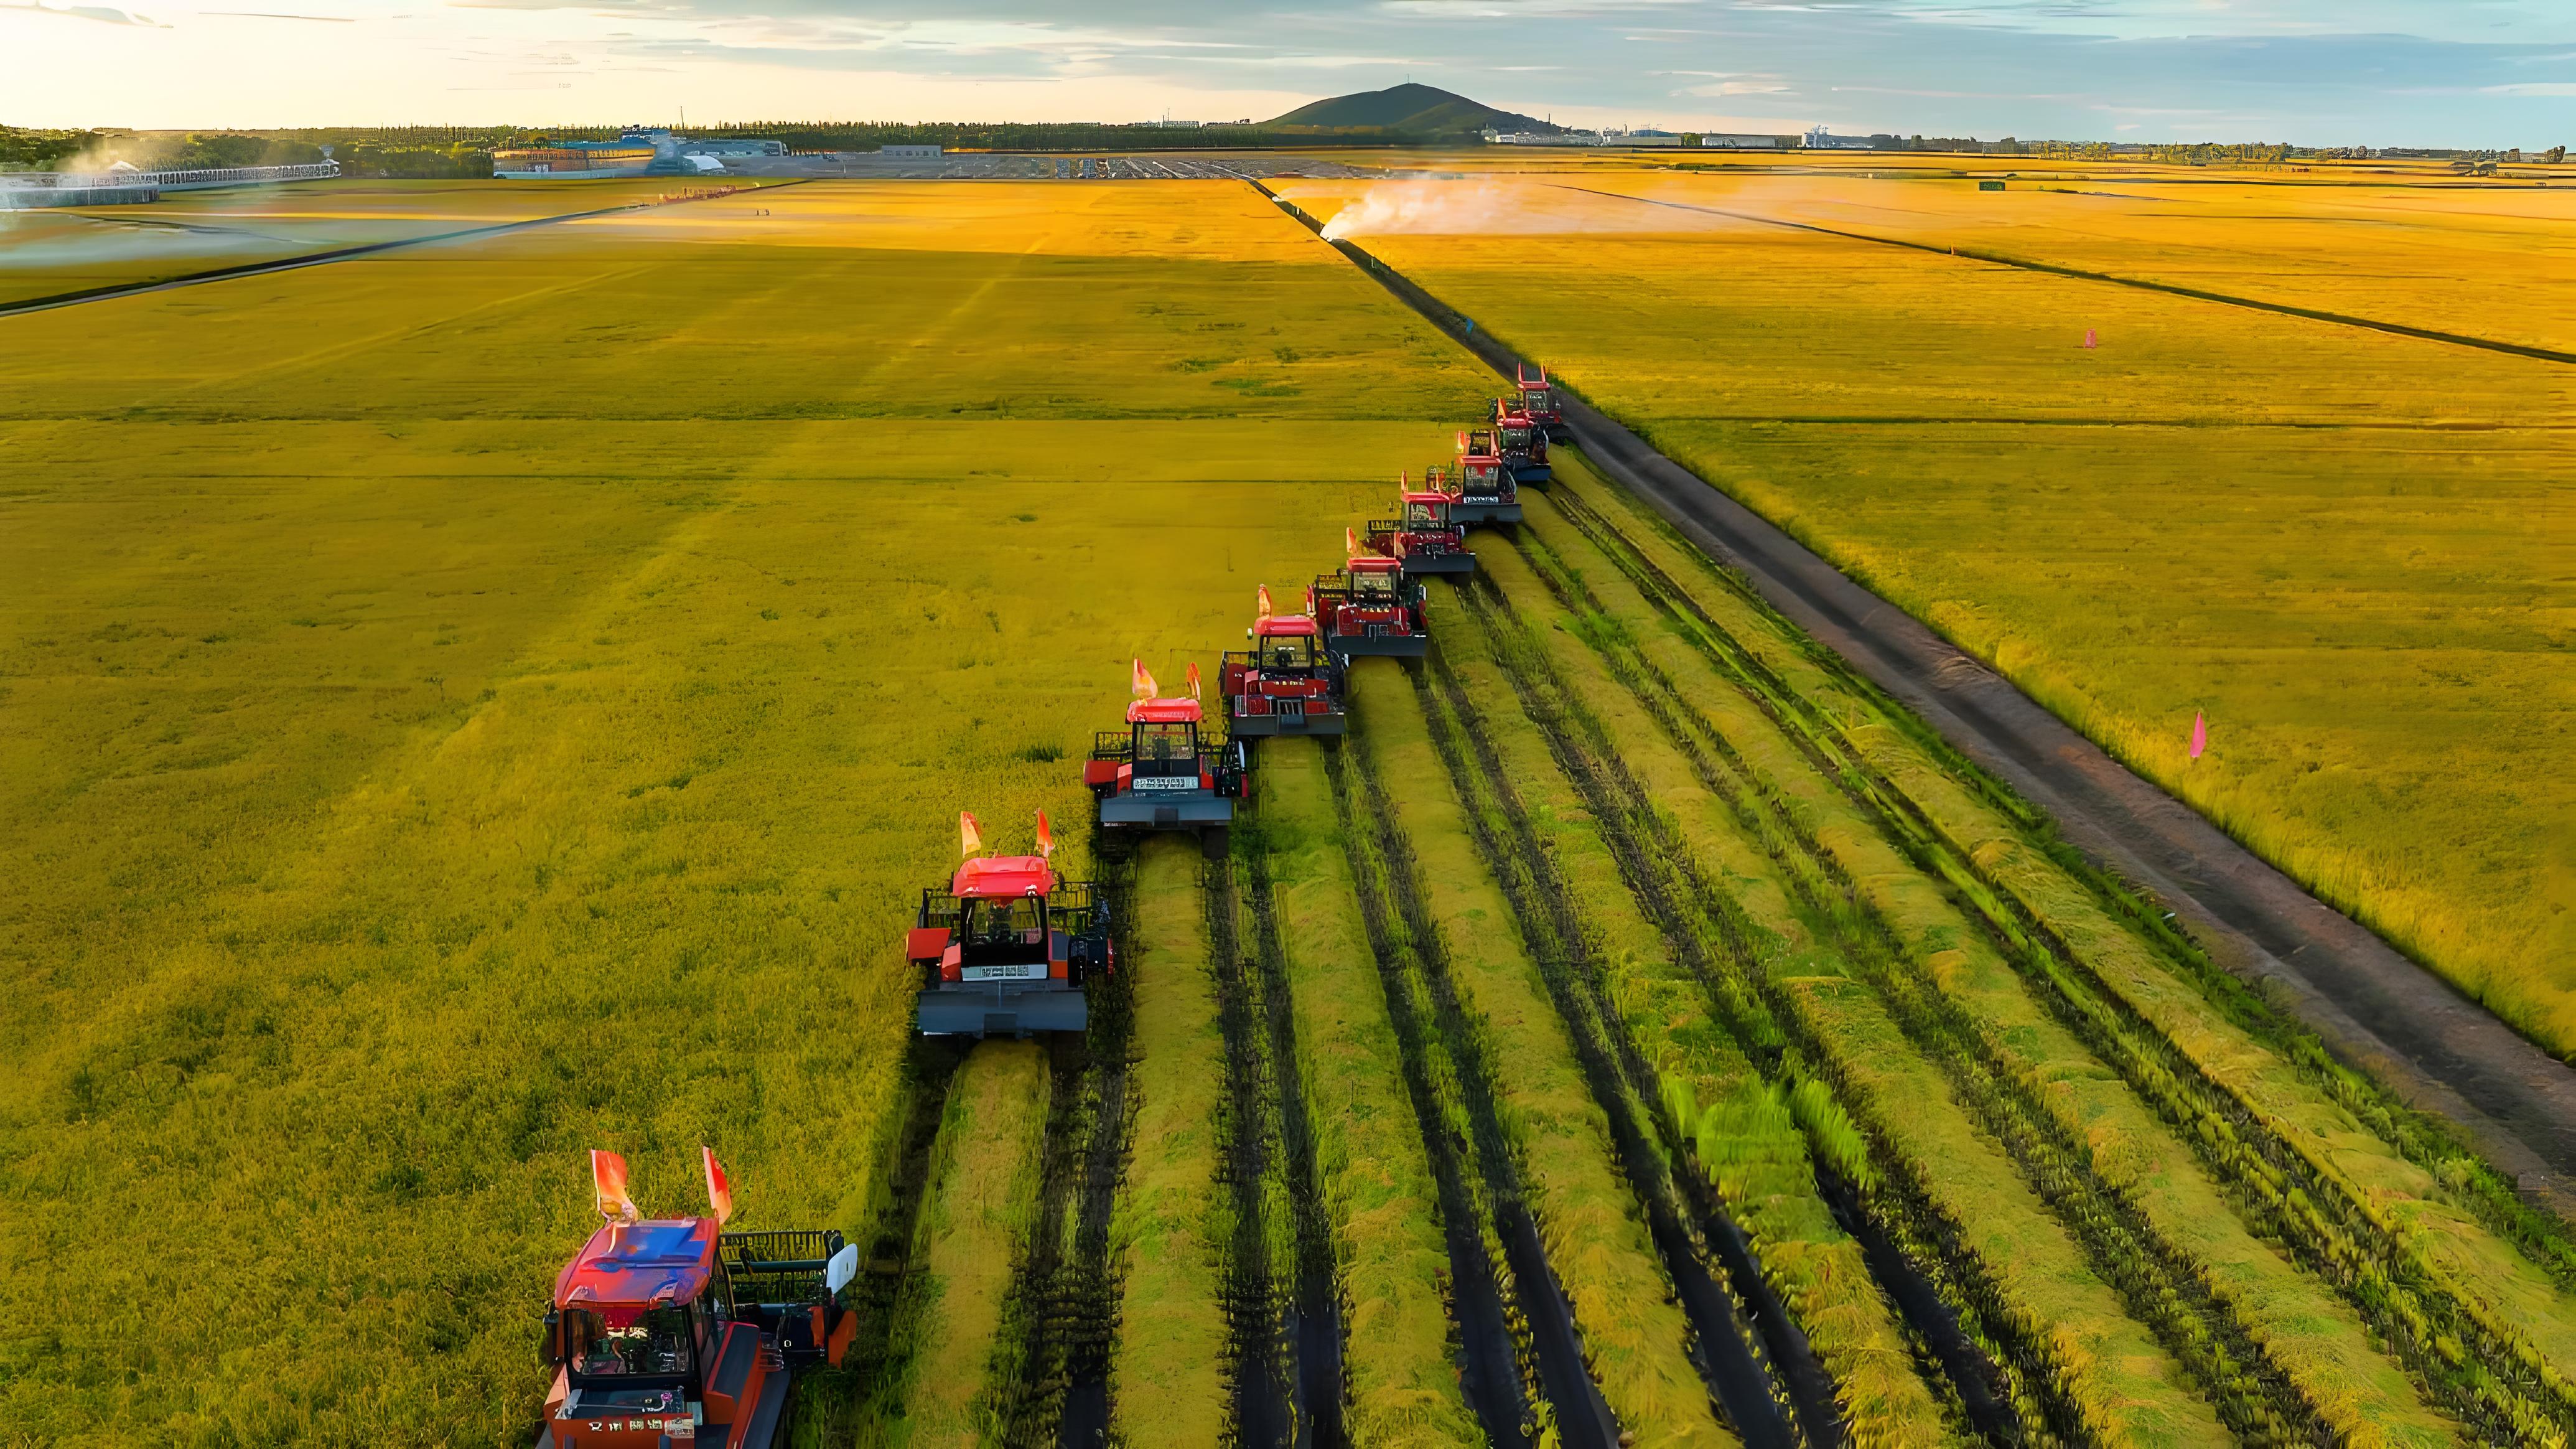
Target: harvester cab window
(1534,399)
(628,1343)
(994,930)
(1372,588)
(1425,515)
(1167,749)
(1289,651)
(1516,436)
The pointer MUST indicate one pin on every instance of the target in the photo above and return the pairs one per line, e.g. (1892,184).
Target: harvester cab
(1007,948)
(1426,540)
(1539,404)
(1163,772)
(1370,607)
(1522,443)
(1287,683)
(671,1330)
(1485,490)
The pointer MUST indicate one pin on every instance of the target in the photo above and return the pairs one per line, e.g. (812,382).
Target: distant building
(1821,139)
(911,153)
(1746,141)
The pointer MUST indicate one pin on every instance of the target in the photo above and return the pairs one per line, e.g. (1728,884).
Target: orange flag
(970,836)
(608,1177)
(1141,682)
(1263,598)
(1462,440)
(719,1186)
(1046,838)
(1194,680)
(1350,541)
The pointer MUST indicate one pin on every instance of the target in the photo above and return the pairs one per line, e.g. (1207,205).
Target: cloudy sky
(2320,72)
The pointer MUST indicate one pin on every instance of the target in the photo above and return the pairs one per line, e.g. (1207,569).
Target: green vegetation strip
(1169,1231)
(1486,995)
(1369,1155)
(975,1227)
(2492,1374)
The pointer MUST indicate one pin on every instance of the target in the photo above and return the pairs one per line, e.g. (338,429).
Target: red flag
(2199,734)
(1142,682)
(1462,440)
(970,836)
(2088,337)
(608,1178)
(1350,541)
(1263,598)
(719,1186)
(1194,679)
(1046,838)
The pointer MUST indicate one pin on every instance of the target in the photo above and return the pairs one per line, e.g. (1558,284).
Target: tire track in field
(1313,1313)
(1261,1362)
(2171,289)
(2326,1229)
(1563,1401)
(2164,1289)
(1544,908)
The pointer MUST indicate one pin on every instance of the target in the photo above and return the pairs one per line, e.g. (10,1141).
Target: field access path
(2375,1007)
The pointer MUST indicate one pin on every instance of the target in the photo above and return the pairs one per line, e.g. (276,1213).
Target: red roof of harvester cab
(1163,711)
(1374,563)
(635,1265)
(1283,626)
(1426,497)
(1003,877)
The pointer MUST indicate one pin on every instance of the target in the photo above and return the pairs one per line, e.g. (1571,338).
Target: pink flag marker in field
(2199,734)
(2089,339)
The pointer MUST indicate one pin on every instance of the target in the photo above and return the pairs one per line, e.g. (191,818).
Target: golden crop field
(483,702)
(2346,548)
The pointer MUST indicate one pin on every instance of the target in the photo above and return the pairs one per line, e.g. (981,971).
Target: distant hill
(1414,110)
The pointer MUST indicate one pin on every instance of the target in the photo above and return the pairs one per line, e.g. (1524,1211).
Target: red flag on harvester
(719,1186)
(2199,734)
(1462,440)
(1194,679)
(970,836)
(608,1177)
(1046,838)
(1263,598)
(1350,541)
(1142,682)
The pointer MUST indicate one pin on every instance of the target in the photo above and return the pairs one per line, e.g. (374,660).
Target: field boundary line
(315,259)
(2174,289)
(2437,1050)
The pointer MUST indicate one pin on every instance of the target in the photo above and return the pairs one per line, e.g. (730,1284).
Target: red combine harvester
(1426,540)
(673,1331)
(1160,773)
(1539,404)
(1006,949)
(1521,442)
(1485,490)
(1370,607)
(1287,683)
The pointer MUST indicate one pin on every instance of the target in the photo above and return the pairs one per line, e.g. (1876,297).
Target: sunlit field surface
(471,706)
(43,253)
(2349,549)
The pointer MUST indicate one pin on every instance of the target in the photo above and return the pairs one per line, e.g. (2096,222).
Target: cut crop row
(2484,1372)
(1404,1269)
(1655,1054)
(2106,1381)
(1529,1096)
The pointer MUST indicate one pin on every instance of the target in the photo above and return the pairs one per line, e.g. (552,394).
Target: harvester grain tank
(671,1331)
(1163,772)
(1008,948)
(1539,404)
(1370,607)
(1482,489)
(1287,683)
(1425,539)
(1521,442)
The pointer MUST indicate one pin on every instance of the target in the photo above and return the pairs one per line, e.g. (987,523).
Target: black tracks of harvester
(1622,1081)
(1060,1313)
(2505,1399)
(1260,1360)
(1553,1380)
(2001,1375)
(1312,1314)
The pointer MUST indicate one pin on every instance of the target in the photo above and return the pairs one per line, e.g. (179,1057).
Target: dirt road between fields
(2372,1005)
